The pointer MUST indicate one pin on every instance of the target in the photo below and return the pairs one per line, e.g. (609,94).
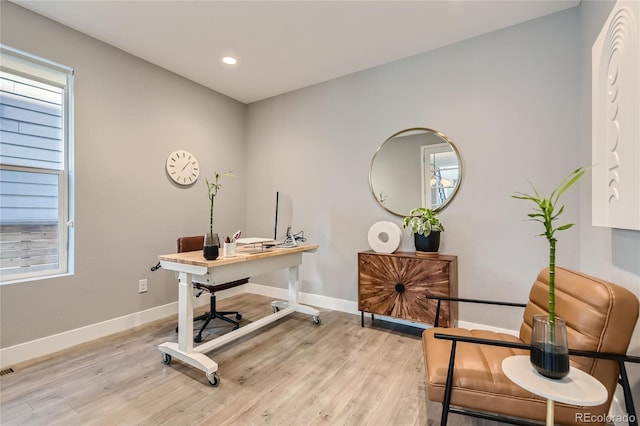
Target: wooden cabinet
(396,284)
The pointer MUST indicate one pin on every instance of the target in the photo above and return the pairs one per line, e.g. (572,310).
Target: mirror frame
(446,139)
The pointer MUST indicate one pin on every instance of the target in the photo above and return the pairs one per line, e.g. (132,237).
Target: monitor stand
(290,241)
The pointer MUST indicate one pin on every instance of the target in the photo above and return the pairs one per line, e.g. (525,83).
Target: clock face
(183,167)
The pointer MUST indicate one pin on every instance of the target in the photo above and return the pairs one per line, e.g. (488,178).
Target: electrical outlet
(142,286)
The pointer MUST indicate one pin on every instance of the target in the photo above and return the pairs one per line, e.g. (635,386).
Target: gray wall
(507,99)
(613,254)
(516,102)
(129,116)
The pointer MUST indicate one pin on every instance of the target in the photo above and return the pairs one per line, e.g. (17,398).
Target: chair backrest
(190,243)
(600,316)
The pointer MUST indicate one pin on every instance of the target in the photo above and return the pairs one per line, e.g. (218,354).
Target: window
(36,185)
(441,173)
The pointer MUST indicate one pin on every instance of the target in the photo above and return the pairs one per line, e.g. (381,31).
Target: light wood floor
(289,373)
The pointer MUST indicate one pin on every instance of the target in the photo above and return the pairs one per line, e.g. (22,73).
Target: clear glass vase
(549,349)
(211,249)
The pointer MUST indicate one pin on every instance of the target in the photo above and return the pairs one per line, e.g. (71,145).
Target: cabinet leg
(362,318)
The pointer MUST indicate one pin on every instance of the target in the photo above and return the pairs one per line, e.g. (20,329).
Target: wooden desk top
(243,254)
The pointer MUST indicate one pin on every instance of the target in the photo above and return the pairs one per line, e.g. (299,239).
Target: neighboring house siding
(31,132)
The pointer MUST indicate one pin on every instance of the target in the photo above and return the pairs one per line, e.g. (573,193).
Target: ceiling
(284,45)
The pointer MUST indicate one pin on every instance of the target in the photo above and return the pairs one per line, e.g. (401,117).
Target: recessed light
(229,60)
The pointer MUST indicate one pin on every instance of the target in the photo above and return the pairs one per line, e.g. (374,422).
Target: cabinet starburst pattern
(396,284)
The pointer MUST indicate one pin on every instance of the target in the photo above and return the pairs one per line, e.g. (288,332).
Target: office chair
(194,244)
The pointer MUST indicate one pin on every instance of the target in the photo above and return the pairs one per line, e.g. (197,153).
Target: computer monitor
(283,220)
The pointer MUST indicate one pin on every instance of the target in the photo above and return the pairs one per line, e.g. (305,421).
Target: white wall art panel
(616,120)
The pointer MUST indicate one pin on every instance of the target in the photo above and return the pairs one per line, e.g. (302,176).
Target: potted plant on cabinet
(426,228)
(549,349)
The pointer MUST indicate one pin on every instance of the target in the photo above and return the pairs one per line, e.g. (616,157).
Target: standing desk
(248,261)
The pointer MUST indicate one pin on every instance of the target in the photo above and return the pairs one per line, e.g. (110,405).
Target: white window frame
(38,69)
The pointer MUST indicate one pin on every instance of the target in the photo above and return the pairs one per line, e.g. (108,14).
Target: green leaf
(559,212)
(522,196)
(570,180)
(563,227)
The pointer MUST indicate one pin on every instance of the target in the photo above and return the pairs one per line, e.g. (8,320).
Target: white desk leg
(550,419)
(185,313)
(183,350)
(294,290)
(294,284)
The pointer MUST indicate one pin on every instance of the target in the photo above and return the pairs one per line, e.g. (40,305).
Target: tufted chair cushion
(600,316)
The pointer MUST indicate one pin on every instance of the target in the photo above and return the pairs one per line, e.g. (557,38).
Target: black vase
(430,243)
(211,248)
(549,349)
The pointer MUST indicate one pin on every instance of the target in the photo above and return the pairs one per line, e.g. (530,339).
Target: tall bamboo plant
(545,213)
(213,188)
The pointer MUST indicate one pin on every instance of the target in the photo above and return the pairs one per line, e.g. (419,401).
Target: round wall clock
(183,167)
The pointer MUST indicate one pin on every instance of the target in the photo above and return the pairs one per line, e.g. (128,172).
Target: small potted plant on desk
(426,228)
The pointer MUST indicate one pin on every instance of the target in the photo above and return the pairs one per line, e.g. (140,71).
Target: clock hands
(187,163)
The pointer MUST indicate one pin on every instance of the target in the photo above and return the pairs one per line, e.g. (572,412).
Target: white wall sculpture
(616,120)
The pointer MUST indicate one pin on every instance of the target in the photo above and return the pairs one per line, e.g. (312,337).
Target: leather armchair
(464,367)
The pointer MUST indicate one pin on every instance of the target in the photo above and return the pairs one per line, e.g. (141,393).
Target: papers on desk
(255,244)
(265,243)
(254,240)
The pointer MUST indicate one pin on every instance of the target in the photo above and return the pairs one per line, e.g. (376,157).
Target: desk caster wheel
(238,317)
(166,359)
(197,339)
(214,379)
(316,320)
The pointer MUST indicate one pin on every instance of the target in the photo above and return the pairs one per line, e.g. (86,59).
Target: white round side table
(576,388)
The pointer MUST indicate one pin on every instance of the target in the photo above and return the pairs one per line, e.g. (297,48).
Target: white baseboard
(319,301)
(57,342)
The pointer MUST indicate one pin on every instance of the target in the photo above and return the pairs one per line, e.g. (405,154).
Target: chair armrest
(486,302)
(459,299)
(576,352)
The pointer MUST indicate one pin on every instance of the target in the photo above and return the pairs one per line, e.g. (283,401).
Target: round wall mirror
(416,167)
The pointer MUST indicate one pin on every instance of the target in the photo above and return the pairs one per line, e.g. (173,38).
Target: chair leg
(221,314)
(229,320)
(447,390)
(213,314)
(628,397)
